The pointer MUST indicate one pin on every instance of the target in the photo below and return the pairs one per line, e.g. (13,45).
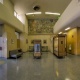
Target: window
(18,16)
(15,13)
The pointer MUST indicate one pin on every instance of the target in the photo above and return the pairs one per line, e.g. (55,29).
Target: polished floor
(47,68)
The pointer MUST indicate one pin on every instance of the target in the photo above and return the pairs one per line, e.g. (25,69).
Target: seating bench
(44,48)
(15,53)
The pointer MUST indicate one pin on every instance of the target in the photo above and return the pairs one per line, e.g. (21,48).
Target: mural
(41,26)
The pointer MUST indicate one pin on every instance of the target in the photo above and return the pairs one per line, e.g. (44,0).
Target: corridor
(47,68)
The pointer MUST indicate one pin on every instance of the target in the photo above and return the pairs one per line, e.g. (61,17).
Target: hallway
(46,68)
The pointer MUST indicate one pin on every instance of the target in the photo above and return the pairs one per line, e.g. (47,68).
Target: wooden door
(61,46)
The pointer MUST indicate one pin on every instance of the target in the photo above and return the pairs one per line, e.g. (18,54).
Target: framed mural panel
(41,26)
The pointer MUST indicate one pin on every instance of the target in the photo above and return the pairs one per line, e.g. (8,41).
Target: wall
(72,41)
(41,29)
(42,38)
(78,41)
(23,44)
(6,16)
(70,17)
(11,38)
(9,6)
(26,25)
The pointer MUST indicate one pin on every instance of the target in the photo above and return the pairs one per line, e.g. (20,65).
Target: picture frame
(44,41)
(32,41)
(12,41)
(26,40)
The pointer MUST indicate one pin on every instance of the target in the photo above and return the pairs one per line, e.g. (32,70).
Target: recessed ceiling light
(67,28)
(52,13)
(33,13)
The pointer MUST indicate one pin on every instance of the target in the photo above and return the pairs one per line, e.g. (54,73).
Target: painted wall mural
(41,26)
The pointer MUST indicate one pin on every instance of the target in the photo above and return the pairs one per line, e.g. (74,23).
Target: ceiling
(26,6)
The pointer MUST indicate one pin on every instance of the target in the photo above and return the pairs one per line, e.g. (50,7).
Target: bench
(44,48)
(15,53)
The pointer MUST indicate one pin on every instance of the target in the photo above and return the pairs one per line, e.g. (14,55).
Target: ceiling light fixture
(67,79)
(52,13)
(37,12)
(33,13)
(67,28)
(60,33)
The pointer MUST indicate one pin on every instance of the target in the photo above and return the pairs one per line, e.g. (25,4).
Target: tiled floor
(46,68)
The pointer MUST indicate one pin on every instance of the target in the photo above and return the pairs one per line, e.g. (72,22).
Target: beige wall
(11,36)
(78,41)
(41,37)
(23,44)
(11,23)
(7,17)
(9,5)
(26,25)
(72,40)
(10,32)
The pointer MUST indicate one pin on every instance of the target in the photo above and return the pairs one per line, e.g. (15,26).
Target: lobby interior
(53,23)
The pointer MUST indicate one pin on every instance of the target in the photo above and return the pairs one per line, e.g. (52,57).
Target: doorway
(18,39)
